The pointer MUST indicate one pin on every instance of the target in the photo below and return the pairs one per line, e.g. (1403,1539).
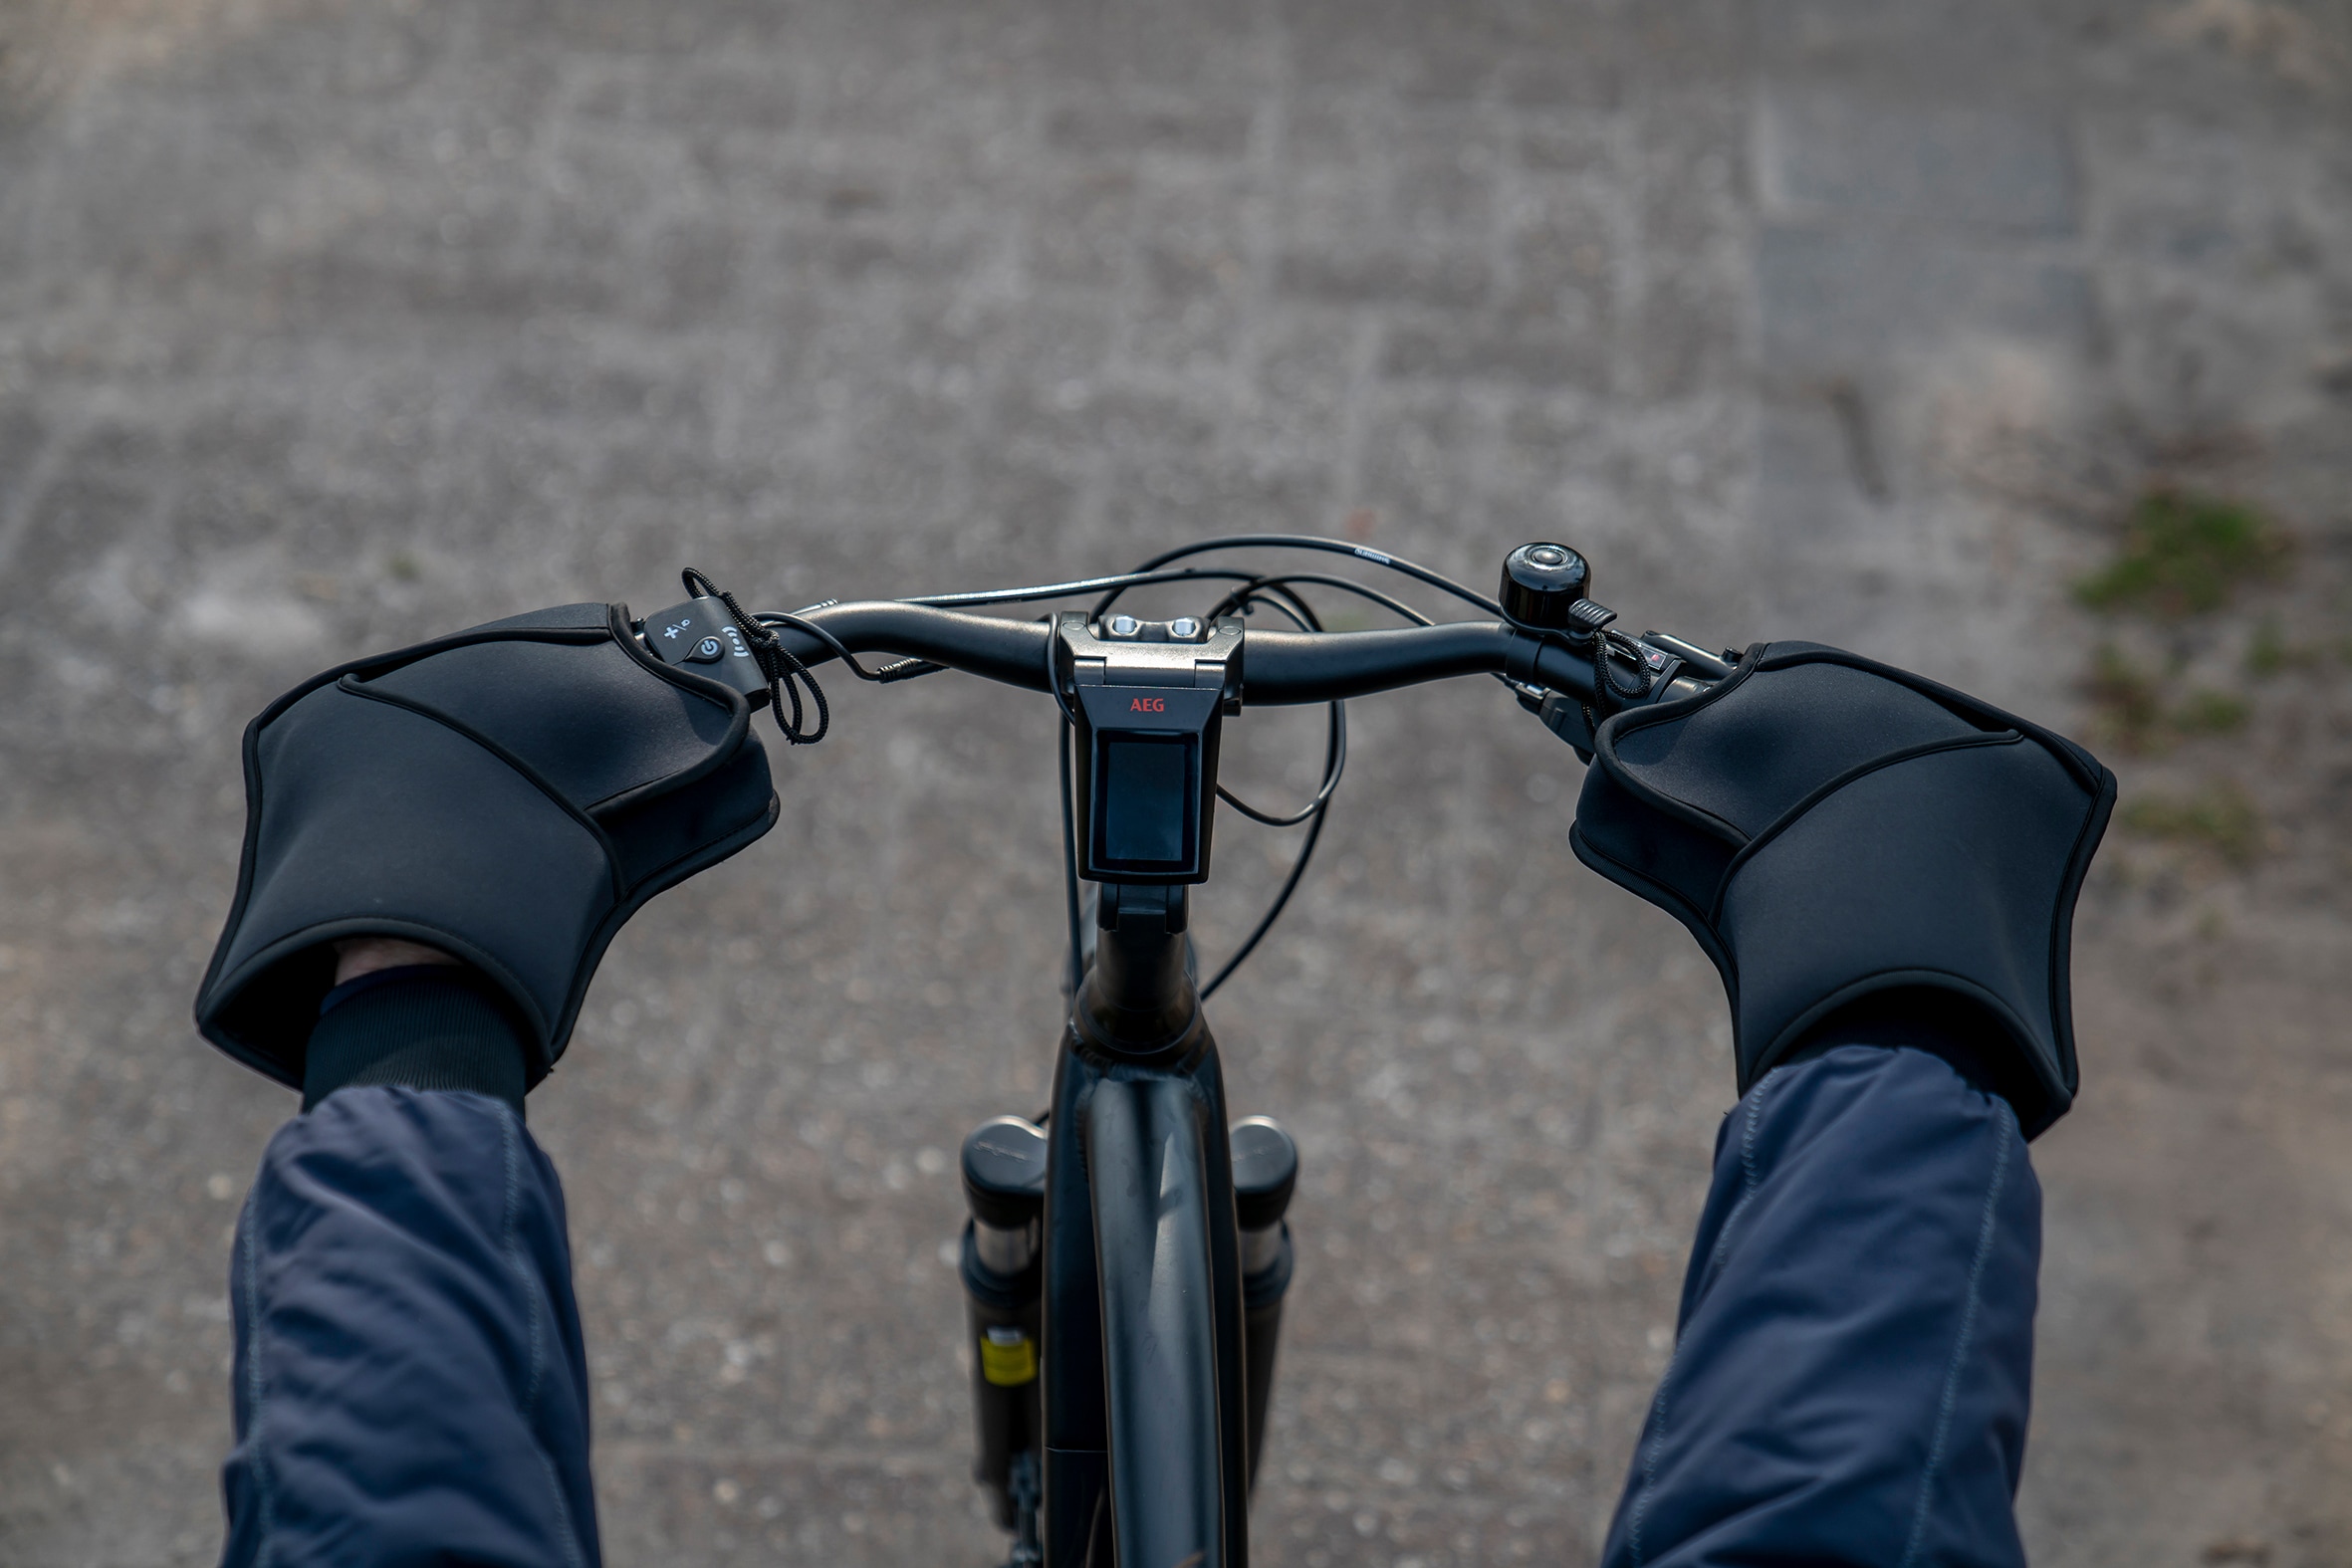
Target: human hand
(358,956)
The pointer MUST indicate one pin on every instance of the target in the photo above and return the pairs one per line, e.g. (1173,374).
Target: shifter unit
(702,636)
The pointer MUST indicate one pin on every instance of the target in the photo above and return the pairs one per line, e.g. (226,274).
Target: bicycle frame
(1144,1419)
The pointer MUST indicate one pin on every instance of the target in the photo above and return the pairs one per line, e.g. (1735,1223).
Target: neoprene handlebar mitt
(1835,831)
(510,795)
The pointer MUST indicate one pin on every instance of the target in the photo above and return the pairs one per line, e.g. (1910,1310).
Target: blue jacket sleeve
(1853,1367)
(411,1385)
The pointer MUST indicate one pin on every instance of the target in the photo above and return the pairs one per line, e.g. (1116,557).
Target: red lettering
(1148,705)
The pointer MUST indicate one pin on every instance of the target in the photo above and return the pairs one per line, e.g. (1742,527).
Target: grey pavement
(325,327)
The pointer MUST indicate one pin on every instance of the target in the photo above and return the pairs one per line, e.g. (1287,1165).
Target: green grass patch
(2268,652)
(2135,712)
(2129,700)
(2184,554)
(2221,816)
(2211,713)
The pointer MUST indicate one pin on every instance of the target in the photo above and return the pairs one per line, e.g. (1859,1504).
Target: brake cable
(1276,591)
(1117,582)
(785,672)
(1334,547)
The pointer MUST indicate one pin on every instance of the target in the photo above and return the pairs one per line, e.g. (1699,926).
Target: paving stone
(1839,298)
(1349,275)
(1575,353)
(2003,49)
(1962,168)
(1180,129)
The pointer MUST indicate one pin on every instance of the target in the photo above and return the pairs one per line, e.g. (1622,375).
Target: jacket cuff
(1942,1023)
(428,1027)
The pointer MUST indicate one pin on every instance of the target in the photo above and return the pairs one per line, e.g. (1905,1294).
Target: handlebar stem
(1139,1000)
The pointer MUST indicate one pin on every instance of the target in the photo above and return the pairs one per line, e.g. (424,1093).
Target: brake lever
(1546,592)
(1677,669)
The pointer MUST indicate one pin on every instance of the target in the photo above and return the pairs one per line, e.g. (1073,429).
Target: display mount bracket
(1148,698)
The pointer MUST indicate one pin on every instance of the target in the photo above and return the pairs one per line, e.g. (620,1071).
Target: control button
(1184,629)
(702,634)
(1124,625)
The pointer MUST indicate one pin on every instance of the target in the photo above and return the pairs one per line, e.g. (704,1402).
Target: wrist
(358,956)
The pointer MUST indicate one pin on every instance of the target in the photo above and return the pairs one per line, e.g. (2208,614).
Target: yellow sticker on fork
(1007,1357)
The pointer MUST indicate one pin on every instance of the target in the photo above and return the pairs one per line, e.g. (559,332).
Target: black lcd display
(1146,812)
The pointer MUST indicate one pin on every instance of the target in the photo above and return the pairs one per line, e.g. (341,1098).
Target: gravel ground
(325,327)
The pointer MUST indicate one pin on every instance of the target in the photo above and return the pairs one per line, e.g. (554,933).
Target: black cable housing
(785,672)
(1276,591)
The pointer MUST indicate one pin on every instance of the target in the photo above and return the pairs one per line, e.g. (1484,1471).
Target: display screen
(1144,811)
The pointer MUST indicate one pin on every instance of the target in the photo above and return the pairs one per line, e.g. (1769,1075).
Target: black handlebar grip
(1284,667)
(1012,651)
(1301,667)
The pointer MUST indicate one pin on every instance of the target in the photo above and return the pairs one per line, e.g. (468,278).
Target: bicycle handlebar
(1277,667)
(1011,651)
(1145,699)
(1282,667)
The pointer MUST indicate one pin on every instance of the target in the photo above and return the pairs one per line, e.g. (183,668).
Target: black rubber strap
(433,1027)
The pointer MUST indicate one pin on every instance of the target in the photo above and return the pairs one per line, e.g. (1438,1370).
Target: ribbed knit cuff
(427,1027)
